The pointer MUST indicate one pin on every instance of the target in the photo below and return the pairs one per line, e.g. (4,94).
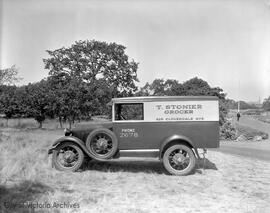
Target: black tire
(179,160)
(102,143)
(72,161)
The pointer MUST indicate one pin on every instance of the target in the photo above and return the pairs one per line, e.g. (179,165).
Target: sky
(224,42)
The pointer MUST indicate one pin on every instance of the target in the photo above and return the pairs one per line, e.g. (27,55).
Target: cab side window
(129,111)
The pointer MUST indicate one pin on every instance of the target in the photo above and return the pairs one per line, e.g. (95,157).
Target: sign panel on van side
(181,111)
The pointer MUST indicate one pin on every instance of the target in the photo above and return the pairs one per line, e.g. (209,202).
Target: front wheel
(179,160)
(102,143)
(67,157)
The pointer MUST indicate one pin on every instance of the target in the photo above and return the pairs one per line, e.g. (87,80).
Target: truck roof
(140,99)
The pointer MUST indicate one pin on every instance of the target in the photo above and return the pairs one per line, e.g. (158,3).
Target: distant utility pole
(238,96)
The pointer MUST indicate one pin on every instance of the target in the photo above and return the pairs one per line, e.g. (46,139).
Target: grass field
(228,183)
(29,123)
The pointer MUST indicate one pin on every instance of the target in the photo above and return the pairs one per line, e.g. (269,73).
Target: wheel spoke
(67,157)
(101,144)
(179,159)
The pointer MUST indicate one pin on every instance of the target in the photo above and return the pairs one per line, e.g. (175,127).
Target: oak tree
(88,61)
(87,74)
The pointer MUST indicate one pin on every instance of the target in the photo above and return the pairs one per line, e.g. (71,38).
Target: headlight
(67,132)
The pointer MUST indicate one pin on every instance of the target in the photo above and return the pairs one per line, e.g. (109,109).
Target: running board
(150,153)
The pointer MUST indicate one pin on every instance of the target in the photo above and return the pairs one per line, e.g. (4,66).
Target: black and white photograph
(135,106)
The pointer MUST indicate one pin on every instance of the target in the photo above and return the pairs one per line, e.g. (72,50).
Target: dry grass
(29,123)
(228,184)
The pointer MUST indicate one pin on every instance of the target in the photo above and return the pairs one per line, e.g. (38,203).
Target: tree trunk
(73,119)
(7,122)
(19,122)
(60,122)
(40,125)
(70,122)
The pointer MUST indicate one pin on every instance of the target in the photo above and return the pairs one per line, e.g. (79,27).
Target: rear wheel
(102,143)
(67,157)
(179,160)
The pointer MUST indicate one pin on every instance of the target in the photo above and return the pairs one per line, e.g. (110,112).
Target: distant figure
(238,116)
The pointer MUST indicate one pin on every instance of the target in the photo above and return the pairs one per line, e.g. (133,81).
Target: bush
(252,112)
(227,131)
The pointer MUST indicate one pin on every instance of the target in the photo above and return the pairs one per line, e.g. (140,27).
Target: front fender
(75,140)
(66,139)
(176,138)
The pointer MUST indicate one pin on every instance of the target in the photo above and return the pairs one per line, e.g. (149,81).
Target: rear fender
(177,139)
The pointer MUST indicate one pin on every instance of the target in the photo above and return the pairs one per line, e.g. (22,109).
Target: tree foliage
(25,101)
(9,75)
(85,76)
(266,104)
(231,104)
(8,102)
(38,101)
(87,61)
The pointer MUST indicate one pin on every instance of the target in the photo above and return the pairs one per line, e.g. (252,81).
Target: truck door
(128,125)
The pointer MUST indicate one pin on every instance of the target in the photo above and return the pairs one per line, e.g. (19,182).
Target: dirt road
(257,150)
(255,124)
(253,149)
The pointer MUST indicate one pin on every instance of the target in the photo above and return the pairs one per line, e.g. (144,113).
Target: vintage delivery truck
(171,128)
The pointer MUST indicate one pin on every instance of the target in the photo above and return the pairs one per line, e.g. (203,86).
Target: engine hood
(81,131)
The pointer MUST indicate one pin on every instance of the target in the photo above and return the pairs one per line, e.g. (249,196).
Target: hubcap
(68,156)
(179,159)
(101,144)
